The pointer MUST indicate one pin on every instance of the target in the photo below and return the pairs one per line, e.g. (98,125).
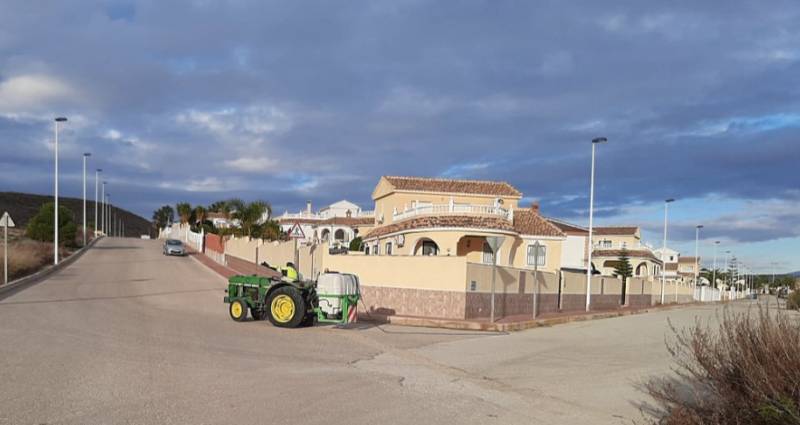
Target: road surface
(128,336)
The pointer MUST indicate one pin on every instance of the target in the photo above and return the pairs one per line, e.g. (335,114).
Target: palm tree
(200,214)
(184,211)
(251,214)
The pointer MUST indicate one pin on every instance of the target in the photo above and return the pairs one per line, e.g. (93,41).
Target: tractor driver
(290,272)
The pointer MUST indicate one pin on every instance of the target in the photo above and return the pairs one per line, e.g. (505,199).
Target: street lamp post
(664,250)
(103,209)
(697,253)
(85,155)
(595,141)
(96,199)
(107,224)
(55,219)
(727,272)
(714,272)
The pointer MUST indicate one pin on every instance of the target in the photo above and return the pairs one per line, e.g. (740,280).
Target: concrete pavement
(128,336)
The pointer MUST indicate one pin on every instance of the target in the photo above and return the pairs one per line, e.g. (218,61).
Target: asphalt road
(128,336)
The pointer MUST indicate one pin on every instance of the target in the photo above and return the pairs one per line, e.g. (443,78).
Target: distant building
(338,223)
(609,243)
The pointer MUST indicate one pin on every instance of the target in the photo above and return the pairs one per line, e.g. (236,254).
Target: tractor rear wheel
(238,310)
(286,307)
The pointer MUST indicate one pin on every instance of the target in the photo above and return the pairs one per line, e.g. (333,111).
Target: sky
(291,101)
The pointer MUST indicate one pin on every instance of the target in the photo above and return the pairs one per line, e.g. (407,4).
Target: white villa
(338,223)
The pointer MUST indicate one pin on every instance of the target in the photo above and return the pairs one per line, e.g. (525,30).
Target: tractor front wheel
(238,310)
(286,307)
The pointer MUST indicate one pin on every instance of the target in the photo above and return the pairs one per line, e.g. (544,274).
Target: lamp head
(61,119)
(99,170)
(700,226)
(669,200)
(87,154)
(599,140)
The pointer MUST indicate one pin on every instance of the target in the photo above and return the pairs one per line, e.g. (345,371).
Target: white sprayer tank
(335,284)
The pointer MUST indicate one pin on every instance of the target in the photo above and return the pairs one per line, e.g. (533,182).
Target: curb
(517,326)
(15,286)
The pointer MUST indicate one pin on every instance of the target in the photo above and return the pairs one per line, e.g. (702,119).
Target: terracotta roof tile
(615,230)
(477,187)
(528,222)
(460,221)
(568,228)
(687,260)
(632,253)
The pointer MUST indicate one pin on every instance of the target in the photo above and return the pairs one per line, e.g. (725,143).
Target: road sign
(6,220)
(296,232)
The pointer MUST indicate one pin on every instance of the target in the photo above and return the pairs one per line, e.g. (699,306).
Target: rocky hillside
(23,206)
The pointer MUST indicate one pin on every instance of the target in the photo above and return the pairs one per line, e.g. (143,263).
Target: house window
(532,255)
(488,255)
(339,235)
(430,248)
(388,248)
(366,249)
(606,244)
(375,250)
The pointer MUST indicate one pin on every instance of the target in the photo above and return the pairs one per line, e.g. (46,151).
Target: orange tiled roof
(528,222)
(615,230)
(568,228)
(632,253)
(476,187)
(460,221)
(688,260)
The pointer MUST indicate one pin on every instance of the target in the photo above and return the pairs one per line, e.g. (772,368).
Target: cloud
(268,100)
(34,92)
(253,165)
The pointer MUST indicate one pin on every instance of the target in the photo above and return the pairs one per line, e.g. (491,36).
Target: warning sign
(296,232)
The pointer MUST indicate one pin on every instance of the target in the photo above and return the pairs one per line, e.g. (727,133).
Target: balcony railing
(316,216)
(452,209)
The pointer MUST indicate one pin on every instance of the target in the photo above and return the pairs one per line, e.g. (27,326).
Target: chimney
(535,207)
(308,207)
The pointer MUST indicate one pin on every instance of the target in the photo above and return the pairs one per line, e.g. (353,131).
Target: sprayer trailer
(333,298)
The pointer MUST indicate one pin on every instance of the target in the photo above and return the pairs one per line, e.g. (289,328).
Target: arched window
(339,235)
(641,269)
(427,247)
(325,234)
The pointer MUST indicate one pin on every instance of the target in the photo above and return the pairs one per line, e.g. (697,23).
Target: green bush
(356,243)
(40,227)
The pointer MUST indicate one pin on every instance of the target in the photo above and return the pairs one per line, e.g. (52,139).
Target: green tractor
(333,298)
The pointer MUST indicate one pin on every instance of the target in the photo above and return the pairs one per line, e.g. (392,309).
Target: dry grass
(746,370)
(26,256)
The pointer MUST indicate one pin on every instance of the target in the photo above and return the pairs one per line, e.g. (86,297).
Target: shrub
(40,227)
(793,300)
(356,244)
(26,257)
(747,371)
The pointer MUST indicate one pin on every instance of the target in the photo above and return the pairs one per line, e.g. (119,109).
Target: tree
(251,214)
(163,216)
(356,244)
(200,214)
(710,275)
(623,269)
(184,211)
(40,227)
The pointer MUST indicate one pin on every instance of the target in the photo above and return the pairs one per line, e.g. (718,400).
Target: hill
(23,206)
